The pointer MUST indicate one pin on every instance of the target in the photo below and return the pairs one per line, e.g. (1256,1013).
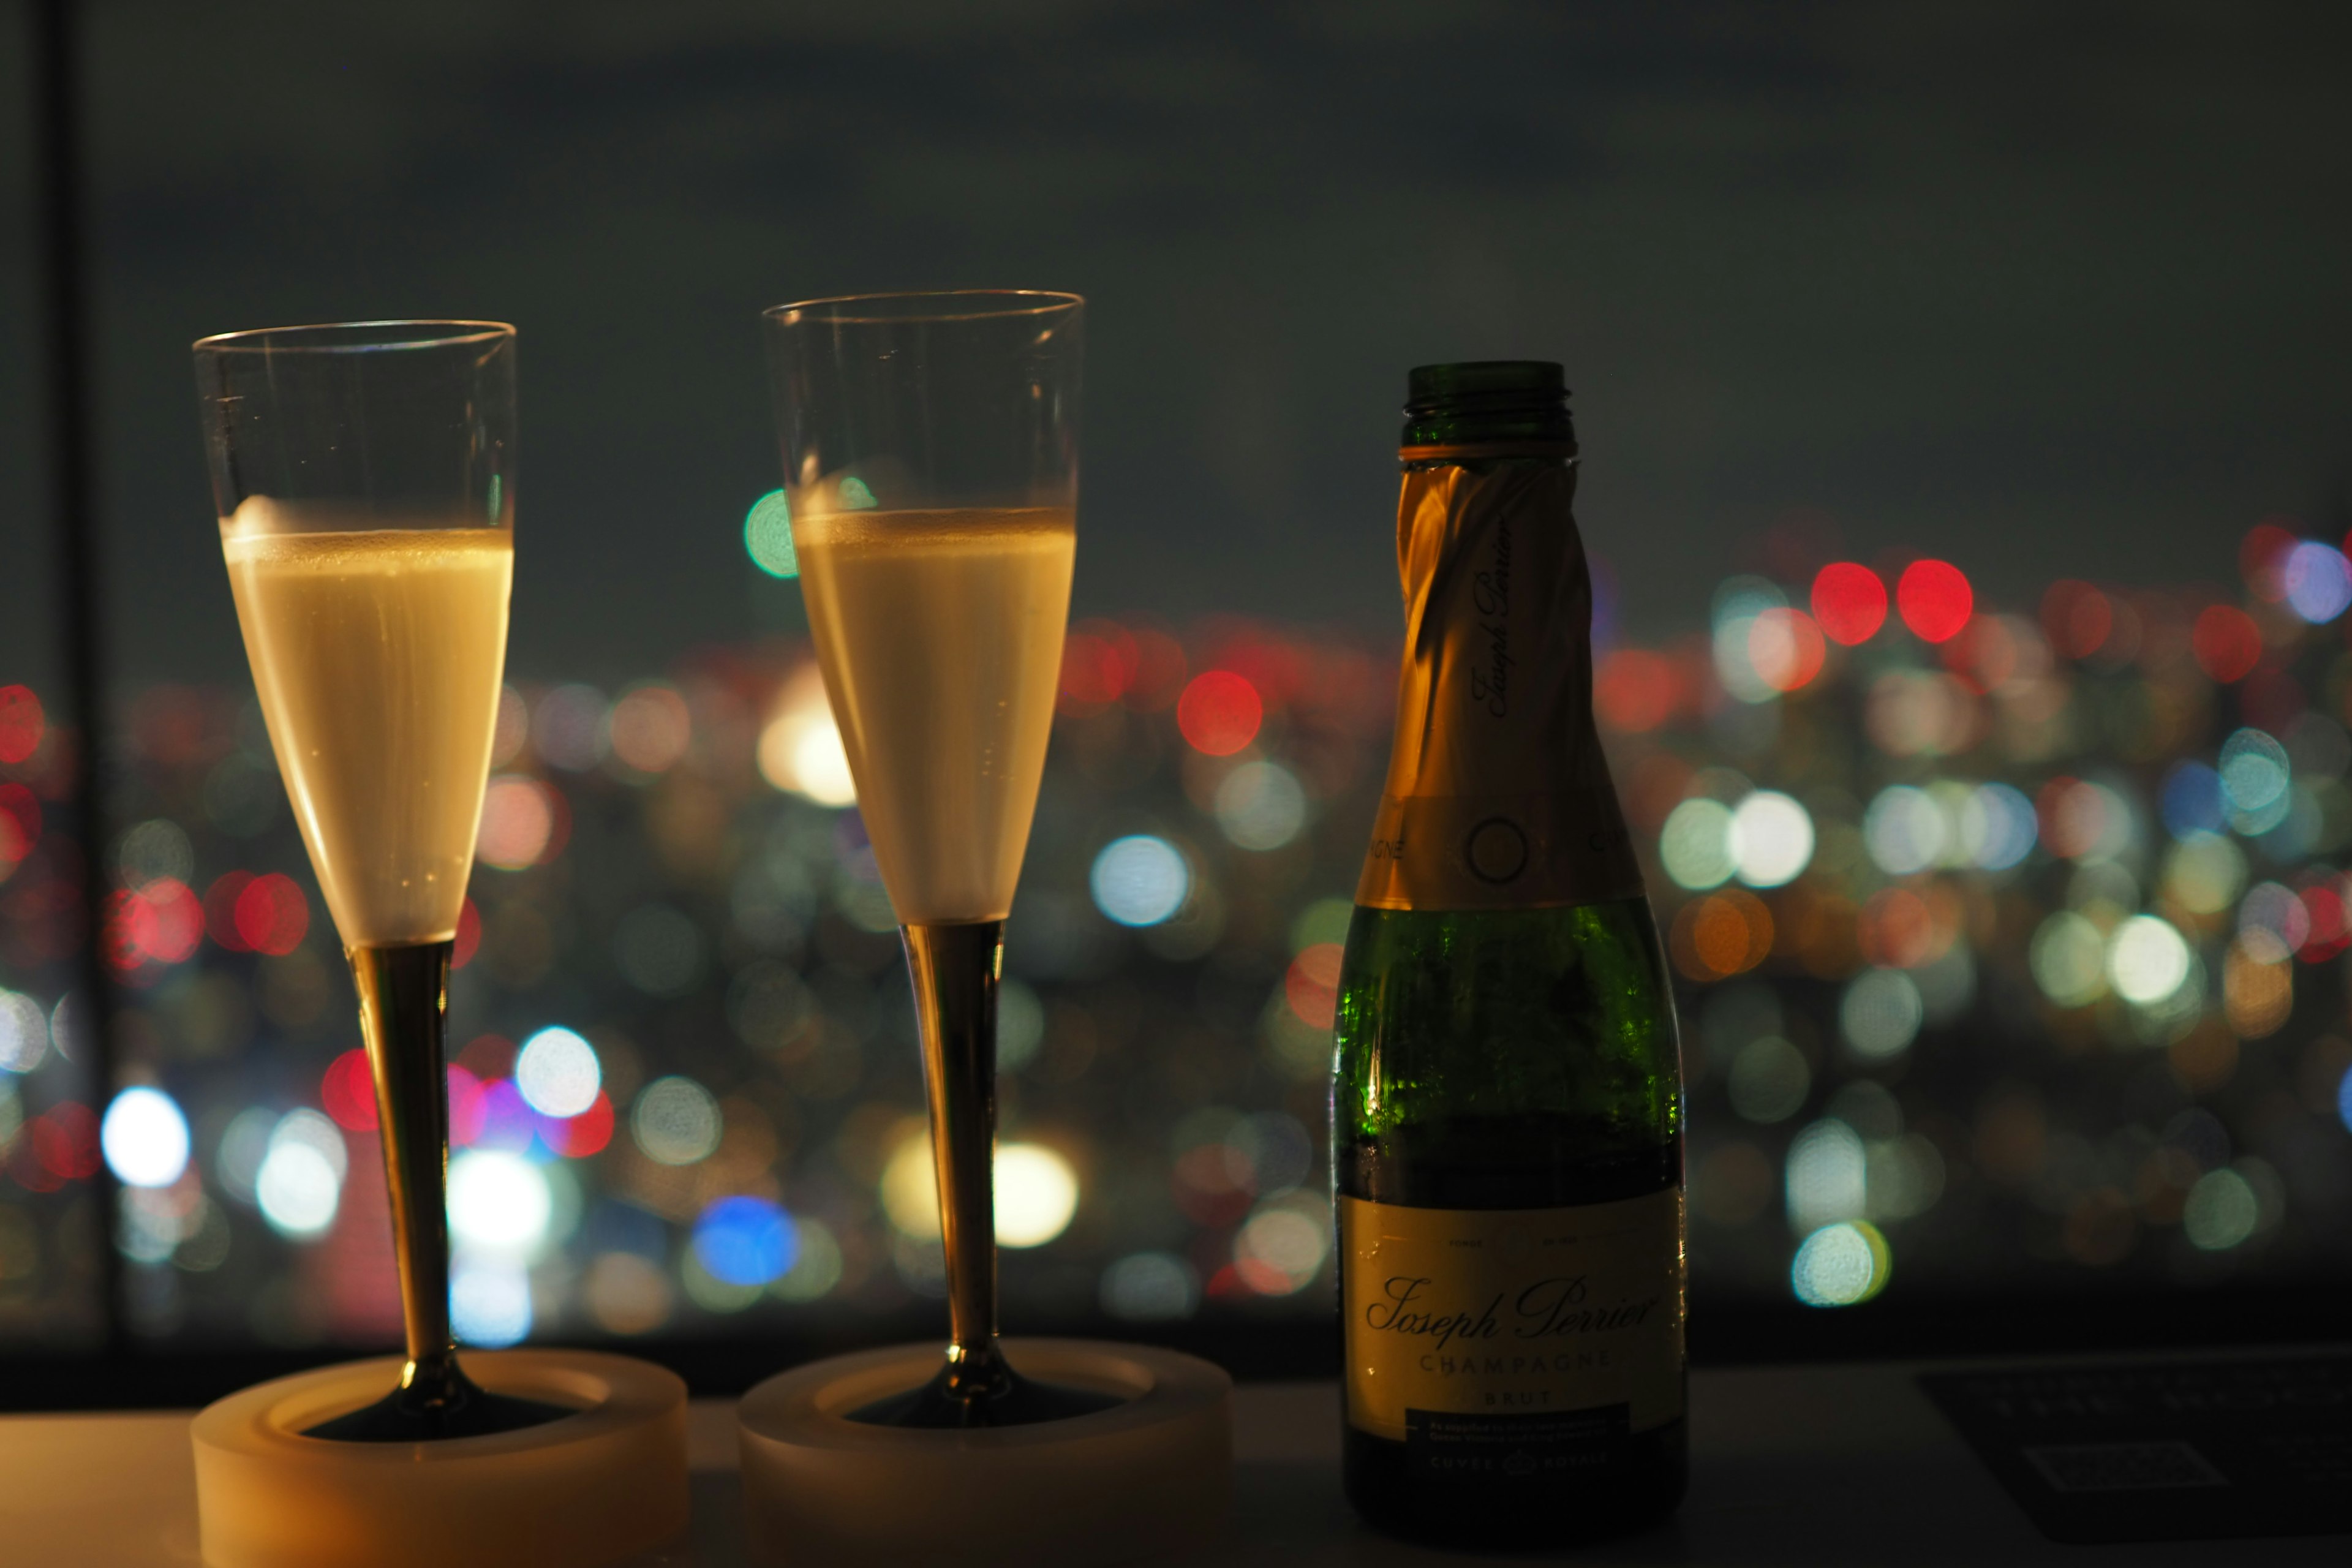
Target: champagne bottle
(1507,1101)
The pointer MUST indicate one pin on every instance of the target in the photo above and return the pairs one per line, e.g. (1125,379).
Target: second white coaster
(1149,1477)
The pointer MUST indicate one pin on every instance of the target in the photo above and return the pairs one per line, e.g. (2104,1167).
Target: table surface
(1789,1465)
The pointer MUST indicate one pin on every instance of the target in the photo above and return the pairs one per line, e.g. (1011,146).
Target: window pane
(2009,921)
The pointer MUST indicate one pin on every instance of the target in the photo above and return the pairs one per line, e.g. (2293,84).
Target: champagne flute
(930,446)
(363,473)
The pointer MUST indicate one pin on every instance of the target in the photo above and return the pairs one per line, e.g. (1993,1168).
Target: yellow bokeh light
(1036,1192)
(800,746)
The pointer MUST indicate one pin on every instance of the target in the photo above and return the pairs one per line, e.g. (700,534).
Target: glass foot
(464,1409)
(1017,1401)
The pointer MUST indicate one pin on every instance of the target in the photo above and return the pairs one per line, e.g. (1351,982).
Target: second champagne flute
(930,451)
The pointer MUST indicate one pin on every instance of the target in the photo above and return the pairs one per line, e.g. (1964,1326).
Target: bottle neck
(1476,429)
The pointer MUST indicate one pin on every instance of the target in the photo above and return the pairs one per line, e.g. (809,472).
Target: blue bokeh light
(745,1241)
(2192,800)
(2318,582)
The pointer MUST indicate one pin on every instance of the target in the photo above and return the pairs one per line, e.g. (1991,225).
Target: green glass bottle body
(1507,1135)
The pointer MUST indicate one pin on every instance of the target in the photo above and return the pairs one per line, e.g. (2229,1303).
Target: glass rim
(841,309)
(358,337)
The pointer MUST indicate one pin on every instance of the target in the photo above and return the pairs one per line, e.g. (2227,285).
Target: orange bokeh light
(1312,985)
(2262,559)
(1636,691)
(1786,648)
(2076,618)
(1722,934)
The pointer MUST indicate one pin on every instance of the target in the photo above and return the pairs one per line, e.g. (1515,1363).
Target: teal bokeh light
(768,535)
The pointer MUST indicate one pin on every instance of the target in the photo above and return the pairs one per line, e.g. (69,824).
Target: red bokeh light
(1159,670)
(220,911)
(1274,669)
(2271,699)
(163,923)
(488,1056)
(1850,602)
(21,724)
(2323,903)
(65,1142)
(1205,1187)
(577,1137)
(2228,643)
(2076,618)
(1312,985)
(1935,598)
(348,1091)
(20,824)
(1094,675)
(469,935)
(1636,691)
(2262,559)
(1219,712)
(464,1108)
(271,915)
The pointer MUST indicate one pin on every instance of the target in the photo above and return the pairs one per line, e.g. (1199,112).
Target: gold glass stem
(403,1008)
(955,969)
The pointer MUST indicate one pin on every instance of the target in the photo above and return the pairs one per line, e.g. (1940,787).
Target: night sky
(2045,291)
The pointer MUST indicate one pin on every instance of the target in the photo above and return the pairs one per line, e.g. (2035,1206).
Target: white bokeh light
(24,1032)
(1036,1195)
(145,1138)
(499,1201)
(1770,839)
(490,1303)
(1261,805)
(1839,1265)
(1905,830)
(1036,1192)
(676,1121)
(300,1182)
(2148,960)
(1139,880)
(1695,845)
(558,1073)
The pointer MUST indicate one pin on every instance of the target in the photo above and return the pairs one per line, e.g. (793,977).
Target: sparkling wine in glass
(930,463)
(364,479)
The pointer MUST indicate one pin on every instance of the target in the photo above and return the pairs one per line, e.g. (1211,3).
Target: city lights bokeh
(2010,941)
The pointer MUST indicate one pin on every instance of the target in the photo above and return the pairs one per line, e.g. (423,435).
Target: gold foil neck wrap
(1498,794)
(1477,451)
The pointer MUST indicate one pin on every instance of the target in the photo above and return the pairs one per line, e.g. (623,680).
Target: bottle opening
(1475,401)
(1432,388)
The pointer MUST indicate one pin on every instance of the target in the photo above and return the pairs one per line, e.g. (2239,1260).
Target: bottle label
(1457,1318)
(1498,794)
